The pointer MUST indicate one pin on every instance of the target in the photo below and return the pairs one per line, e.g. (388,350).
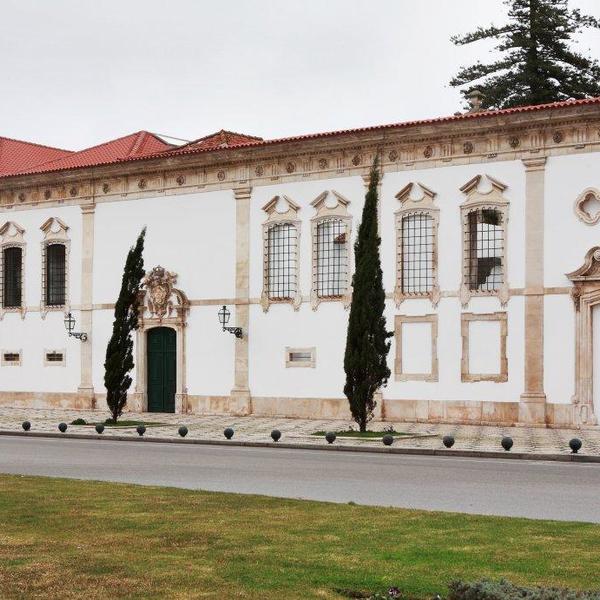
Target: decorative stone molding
(424,205)
(466,375)
(12,236)
(400,374)
(324,213)
(55,232)
(161,305)
(585,294)
(476,200)
(584,214)
(274,219)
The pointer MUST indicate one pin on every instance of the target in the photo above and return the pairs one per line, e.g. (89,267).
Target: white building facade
(490,228)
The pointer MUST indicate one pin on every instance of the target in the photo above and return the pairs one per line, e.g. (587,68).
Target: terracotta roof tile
(16,155)
(144,145)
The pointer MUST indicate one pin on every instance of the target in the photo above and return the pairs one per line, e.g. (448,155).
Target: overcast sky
(74,73)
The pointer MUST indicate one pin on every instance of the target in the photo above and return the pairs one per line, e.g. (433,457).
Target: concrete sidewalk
(298,431)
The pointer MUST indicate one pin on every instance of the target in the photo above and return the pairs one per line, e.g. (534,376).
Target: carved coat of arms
(159,286)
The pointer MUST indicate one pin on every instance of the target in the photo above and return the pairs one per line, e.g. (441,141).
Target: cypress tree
(366,342)
(119,352)
(537,63)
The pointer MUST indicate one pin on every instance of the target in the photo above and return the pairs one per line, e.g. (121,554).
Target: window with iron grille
(332,258)
(417,254)
(282,261)
(12,274)
(484,242)
(55,292)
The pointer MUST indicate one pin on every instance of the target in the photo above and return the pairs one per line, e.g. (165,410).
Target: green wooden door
(162,369)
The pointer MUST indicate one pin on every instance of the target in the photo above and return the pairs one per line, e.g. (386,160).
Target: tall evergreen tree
(119,352)
(366,342)
(537,62)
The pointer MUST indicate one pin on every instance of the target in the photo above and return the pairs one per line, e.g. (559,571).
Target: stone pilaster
(86,387)
(532,405)
(241,402)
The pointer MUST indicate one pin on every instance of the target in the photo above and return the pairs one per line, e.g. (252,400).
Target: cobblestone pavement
(257,429)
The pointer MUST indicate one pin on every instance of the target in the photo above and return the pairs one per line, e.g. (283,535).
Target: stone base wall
(408,411)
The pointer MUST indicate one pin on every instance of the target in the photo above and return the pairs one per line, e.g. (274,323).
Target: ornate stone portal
(585,295)
(161,305)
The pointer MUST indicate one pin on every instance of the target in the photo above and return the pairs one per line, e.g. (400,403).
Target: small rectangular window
(54,358)
(300,357)
(11,358)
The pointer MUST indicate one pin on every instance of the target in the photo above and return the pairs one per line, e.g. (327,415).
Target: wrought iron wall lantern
(69,322)
(224,315)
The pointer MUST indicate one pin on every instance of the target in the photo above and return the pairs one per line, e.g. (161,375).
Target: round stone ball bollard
(228,433)
(26,426)
(275,435)
(507,443)
(183,431)
(387,439)
(330,437)
(448,441)
(62,427)
(99,428)
(141,429)
(575,445)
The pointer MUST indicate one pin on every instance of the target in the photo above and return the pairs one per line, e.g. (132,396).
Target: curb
(578,458)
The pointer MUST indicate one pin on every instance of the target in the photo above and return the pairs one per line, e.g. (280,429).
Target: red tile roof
(16,155)
(144,145)
(221,139)
(129,147)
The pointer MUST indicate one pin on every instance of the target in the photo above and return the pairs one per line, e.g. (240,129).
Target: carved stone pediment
(587,277)
(160,296)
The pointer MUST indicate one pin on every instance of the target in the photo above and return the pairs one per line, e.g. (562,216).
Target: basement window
(11,358)
(54,358)
(300,357)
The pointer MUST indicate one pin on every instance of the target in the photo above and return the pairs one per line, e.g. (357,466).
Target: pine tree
(119,352)
(366,346)
(537,63)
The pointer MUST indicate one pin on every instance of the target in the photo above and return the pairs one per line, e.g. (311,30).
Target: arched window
(55,266)
(56,275)
(281,233)
(484,216)
(12,263)
(12,273)
(416,245)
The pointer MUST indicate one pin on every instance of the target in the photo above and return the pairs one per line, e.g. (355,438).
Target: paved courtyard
(258,429)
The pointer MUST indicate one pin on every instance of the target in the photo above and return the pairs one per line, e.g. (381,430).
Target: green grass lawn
(73,539)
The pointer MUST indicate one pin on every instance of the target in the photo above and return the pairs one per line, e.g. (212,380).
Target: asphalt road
(541,490)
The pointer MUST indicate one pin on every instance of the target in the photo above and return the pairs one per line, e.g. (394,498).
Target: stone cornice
(519,136)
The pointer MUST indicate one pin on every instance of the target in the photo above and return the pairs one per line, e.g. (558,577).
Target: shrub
(504,590)
(79,421)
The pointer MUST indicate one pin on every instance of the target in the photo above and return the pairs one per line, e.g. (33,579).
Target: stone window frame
(55,363)
(289,363)
(10,363)
(492,200)
(465,375)
(12,236)
(324,213)
(408,207)
(55,233)
(399,374)
(582,214)
(274,217)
